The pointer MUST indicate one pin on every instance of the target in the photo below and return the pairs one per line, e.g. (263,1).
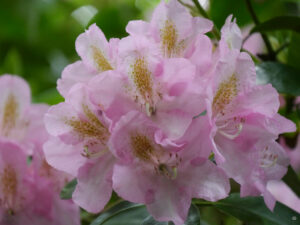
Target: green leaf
(67,191)
(151,221)
(292,180)
(201,114)
(192,219)
(253,209)
(279,23)
(136,214)
(50,96)
(124,213)
(219,10)
(193,216)
(13,62)
(293,57)
(284,78)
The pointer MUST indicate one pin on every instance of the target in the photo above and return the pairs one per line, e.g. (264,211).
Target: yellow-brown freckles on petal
(142,147)
(91,128)
(46,169)
(102,63)
(142,79)
(9,182)
(226,92)
(10,114)
(169,36)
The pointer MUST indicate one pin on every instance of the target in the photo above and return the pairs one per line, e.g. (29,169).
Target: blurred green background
(37,37)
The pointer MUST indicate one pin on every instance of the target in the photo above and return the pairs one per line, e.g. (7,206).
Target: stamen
(163,162)
(89,154)
(239,129)
(226,92)
(101,61)
(170,173)
(150,110)
(268,159)
(10,114)
(231,128)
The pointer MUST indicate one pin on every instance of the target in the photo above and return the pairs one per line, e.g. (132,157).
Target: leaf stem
(202,12)
(282,47)
(255,59)
(271,52)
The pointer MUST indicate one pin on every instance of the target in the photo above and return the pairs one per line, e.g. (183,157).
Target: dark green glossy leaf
(220,9)
(292,180)
(279,23)
(253,209)
(192,219)
(124,213)
(293,57)
(151,221)
(284,78)
(67,191)
(201,114)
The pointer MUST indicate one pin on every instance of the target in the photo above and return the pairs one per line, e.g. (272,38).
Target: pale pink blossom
(78,146)
(26,197)
(177,33)
(165,179)
(163,89)
(245,120)
(20,120)
(97,55)
(48,184)
(284,194)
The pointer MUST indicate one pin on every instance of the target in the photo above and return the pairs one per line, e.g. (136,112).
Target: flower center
(101,61)
(226,92)
(90,128)
(267,158)
(142,147)
(164,163)
(230,128)
(10,114)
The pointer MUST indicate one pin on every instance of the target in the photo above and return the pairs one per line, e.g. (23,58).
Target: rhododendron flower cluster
(163,116)
(29,186)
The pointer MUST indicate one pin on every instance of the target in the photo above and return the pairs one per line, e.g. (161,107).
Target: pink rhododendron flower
(245,123)
(28,198)
(163,89)
(79,147)
(97,54)
(143,115)
(48,183)
(177,33)
(20,121)
(163,179)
